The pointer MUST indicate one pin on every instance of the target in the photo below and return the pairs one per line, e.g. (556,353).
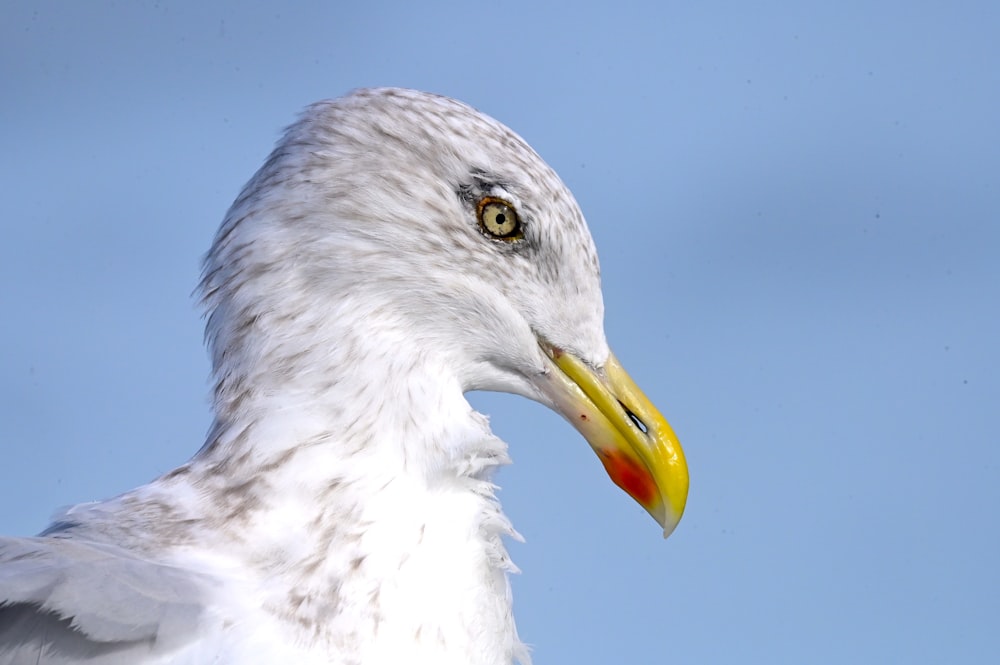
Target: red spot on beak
(631,476)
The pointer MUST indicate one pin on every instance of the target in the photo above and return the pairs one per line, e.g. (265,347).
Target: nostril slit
(635,419)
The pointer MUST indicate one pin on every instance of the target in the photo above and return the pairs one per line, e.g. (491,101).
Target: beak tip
(670,523)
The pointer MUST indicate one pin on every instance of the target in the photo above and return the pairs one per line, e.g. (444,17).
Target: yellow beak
(636,444)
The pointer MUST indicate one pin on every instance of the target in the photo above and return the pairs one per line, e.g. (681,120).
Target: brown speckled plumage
(341,508)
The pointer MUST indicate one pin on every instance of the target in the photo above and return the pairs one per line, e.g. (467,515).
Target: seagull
(396,250)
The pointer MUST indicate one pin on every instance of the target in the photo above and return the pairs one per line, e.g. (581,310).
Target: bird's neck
(367,501)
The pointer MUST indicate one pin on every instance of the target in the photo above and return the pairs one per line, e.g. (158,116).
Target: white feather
(341,510)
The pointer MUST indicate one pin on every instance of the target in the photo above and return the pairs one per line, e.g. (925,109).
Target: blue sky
(797,207)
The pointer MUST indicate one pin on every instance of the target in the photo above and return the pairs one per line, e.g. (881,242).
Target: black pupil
(501,219)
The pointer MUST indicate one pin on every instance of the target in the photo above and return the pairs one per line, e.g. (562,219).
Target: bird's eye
(498,219)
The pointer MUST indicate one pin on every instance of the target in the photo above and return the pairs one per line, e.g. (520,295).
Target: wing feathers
(77,601)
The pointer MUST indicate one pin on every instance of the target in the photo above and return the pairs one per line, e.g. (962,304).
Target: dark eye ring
(498,219)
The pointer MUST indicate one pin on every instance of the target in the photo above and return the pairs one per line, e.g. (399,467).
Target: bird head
(420,210)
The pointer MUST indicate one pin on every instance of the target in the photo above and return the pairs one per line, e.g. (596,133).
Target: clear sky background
(797,207)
